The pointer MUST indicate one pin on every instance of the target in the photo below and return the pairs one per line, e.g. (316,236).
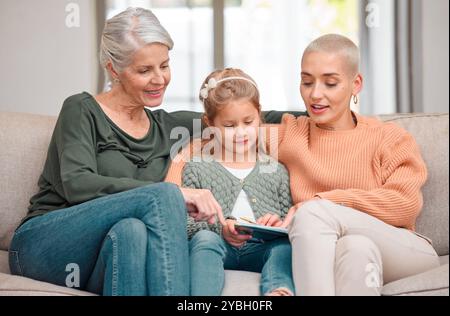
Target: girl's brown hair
(228,91)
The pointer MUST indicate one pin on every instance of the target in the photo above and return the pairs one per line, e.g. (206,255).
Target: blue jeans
(210,255)
(129,243)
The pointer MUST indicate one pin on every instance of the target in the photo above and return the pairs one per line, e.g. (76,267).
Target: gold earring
(355,99)
(116,80)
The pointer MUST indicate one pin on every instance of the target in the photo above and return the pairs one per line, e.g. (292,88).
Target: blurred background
(50,49)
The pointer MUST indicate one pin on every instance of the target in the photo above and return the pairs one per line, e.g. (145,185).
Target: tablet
(261,232)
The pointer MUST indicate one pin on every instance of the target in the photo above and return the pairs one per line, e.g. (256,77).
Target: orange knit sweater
(376,168)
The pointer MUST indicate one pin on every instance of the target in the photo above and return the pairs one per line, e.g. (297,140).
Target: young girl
(234,171)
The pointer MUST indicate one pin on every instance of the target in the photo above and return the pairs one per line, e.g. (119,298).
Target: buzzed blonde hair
(337,44)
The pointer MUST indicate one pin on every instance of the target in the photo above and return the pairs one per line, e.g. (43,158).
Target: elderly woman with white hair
(103,209)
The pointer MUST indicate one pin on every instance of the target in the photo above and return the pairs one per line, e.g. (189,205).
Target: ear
(112,71)
(357,84)
(206,120)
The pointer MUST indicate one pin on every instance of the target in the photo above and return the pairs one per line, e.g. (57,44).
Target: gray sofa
(24,139)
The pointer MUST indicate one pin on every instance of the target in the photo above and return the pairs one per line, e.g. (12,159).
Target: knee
(280,247)
(166,197)
(311,215)
(166,190)
(207,240)
(132,230)
(171,197)
(206,237)
(358,247)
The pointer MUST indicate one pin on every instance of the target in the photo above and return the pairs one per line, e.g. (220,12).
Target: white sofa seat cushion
(11,285)
(4,265)
(430,283)
(19,286)
(241,283)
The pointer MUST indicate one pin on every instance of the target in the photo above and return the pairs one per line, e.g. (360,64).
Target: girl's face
(145,80)
(238,124)
(327,87)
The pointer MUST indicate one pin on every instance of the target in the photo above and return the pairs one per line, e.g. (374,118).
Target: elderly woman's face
(145,80)
(326,87)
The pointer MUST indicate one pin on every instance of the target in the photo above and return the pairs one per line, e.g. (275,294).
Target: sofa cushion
(24,139)
(4,264)
(11,285)
(433,282)
(237,283)
(241,283)
(431,133)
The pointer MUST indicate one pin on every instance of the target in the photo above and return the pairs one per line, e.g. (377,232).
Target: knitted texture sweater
(375,168)
(267,188)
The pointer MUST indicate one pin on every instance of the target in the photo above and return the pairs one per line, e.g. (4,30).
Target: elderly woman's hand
(202,206)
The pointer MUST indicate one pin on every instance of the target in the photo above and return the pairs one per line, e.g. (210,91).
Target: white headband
(212,83)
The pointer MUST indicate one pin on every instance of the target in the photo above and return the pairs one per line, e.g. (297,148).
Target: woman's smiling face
(327,86)
(145,80)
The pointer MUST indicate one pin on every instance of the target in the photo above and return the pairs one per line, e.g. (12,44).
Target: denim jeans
(210,255)
(129,243)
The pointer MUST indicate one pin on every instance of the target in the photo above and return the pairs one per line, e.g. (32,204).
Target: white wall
(435,52)
(42,61)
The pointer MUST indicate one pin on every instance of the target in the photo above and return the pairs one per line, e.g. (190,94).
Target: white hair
(334,43)
(127,32)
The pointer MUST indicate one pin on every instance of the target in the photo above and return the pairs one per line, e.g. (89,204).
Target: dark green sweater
(89,156)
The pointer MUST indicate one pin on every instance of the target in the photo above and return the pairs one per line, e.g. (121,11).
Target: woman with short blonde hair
(356,181)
